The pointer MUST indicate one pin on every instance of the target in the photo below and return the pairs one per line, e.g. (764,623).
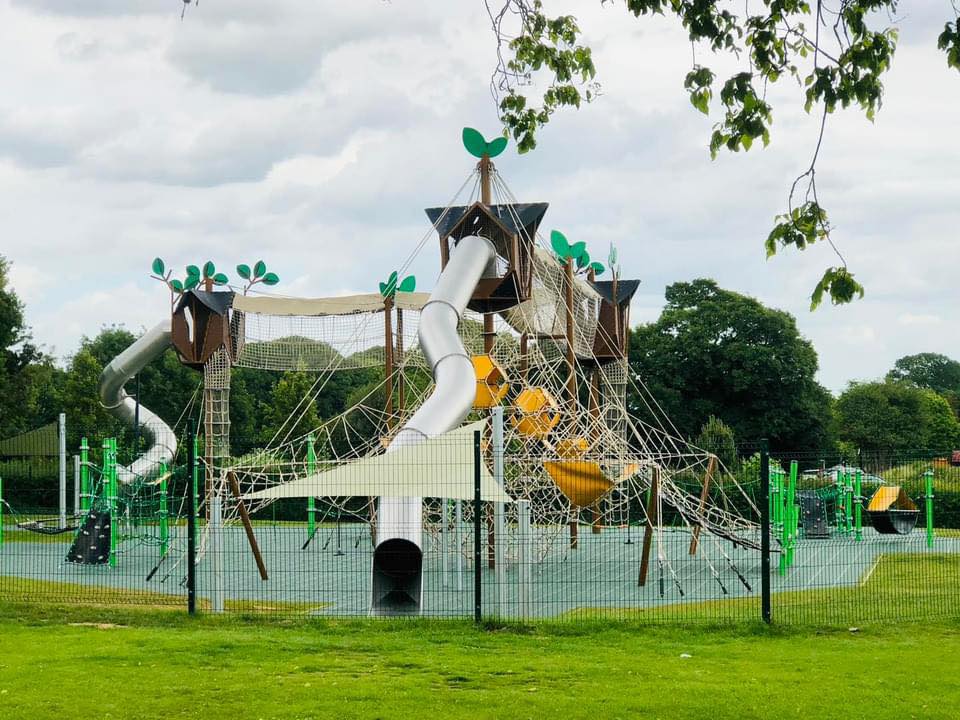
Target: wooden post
(574,532)
(571,357)
(401,389)
(524,360)
(653,519)
(247,526)
(704,493)
(485,167)
(388,358)
(594,412)
(489,334)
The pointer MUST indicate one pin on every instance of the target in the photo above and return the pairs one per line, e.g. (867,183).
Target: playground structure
(521,336)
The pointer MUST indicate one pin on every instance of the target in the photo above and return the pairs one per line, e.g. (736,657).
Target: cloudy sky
(312,133)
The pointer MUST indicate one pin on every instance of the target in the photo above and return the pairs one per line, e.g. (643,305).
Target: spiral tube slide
(163,441)
(397,572)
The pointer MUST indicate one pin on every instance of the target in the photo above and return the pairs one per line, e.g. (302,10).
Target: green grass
(57,663)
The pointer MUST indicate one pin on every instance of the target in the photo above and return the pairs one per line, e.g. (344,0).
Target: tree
(716,352)
(837,54)
(887,418)
(928,370)
(292,411)
(717,437)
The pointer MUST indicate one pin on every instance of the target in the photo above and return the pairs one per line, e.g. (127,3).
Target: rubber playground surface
(331,576)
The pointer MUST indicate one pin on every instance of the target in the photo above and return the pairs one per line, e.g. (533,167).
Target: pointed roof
(515,218)
(625,290)
(217,302)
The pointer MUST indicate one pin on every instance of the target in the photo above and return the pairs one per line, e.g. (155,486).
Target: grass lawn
(134,663)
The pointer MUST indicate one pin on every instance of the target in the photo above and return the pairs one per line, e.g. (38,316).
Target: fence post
(498,511)
(110,483)
(311,501)
(477,534)
(765,531)
(192,524)
(1,510)
(928,504)
(62,452)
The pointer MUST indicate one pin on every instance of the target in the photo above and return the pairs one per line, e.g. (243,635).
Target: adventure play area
(497,470)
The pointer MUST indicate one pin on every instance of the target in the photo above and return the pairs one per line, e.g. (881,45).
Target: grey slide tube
(163,441)
(397,572)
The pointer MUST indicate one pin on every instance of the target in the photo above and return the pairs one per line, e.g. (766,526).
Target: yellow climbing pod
(536,413)
(581,481)
(492,383)
(572,448)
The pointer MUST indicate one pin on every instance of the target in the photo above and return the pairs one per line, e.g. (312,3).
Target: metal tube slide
(163,441)
(398,559)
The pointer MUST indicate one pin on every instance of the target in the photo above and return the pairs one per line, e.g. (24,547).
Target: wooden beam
(704,495)
(653,519)
(401,389)
(247,526)
(388,359)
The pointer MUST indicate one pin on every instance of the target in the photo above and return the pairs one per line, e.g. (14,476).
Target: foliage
(717,437)
(193,278)
(716,352)
(892,417)
(837,55)
(391,287)
(576,252)
(928,370)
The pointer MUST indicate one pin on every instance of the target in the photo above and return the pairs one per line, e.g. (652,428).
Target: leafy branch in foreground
(833,53)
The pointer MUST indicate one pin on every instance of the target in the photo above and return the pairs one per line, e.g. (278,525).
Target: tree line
(713,356)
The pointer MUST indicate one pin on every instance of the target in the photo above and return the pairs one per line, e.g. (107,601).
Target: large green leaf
(177,285)
(383,289)
(474,143)
(209,269)
(193,271)
(612,257)
(220,279)
(598,268)
(158,267)
(496,146)
(391,285)
(243,271)
(583,260)
(409,284)
(259,269)
(577,249)
(558,242)
(271,278)
(191,282)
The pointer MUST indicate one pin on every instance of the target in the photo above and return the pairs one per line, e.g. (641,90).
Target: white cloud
(313,134)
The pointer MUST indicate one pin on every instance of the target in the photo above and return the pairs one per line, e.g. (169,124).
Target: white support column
(62,432)
(215,551)
(500,535)
(76,485)
(523,540)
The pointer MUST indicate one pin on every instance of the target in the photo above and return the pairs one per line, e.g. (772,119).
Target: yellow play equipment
(492,384)
(582,481)
(572,448)
(536,413)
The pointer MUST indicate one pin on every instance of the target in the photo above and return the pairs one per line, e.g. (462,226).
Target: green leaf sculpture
(558,241)
(390,288)
(598,268)
(477,145)
(259,274)
(220,279)
(209,269)
(158,267)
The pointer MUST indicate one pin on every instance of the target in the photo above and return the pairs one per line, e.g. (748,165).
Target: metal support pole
(498,510)
(76,485)
(444,549)
(765,531)
(215,552)
(858,505)
(524,542)
(195,483)
(192,525)
(477,525)
(110,481)
(84,475)
(311,501)
(62,451)
(458,543)
(928,503)
(164,512)
(848,504)
(1,510)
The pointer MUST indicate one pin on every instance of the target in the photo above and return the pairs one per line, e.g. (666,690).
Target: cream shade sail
(314,307)
(439,467)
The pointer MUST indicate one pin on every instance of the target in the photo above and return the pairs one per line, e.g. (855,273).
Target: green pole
(782,524)
(928,501)
(838,493)
(848,505)
(794,515)
(195,483)
(311,501)
(110,480)
(84,475)
(164,512)
(858,504)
